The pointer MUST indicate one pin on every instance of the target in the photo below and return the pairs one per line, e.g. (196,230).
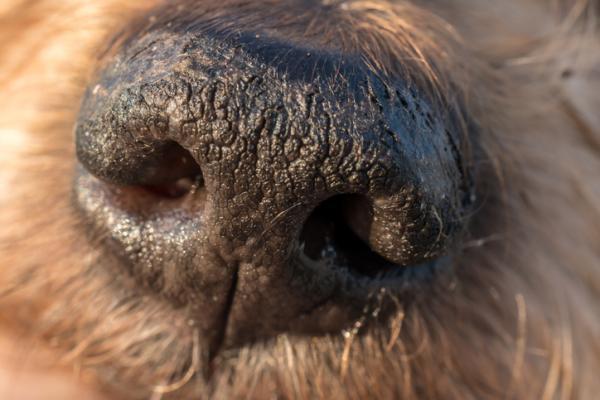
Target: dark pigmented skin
(276,130)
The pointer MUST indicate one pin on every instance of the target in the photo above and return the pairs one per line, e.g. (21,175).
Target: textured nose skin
(275,130)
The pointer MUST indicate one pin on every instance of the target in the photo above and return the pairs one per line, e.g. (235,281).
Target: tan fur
(520,317)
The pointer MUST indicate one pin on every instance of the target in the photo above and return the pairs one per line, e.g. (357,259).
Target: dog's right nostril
(172,173)
(160,166)
(172,162)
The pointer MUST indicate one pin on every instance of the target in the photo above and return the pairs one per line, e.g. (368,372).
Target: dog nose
(256,135)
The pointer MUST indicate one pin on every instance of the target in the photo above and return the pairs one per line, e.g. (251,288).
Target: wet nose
(267,132)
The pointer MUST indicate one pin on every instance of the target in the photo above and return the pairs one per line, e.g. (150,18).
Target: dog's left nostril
(334,232)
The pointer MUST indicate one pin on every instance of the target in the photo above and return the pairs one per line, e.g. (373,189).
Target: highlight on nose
(315,171)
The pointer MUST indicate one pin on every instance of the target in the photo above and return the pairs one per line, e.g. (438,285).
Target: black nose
(230,163)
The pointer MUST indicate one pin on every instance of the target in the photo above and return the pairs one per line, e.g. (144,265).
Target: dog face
(305,199)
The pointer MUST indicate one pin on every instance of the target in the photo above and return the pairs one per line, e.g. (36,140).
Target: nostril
(175,162)
(173,175)
(333,234)
(163,169)
(175,189)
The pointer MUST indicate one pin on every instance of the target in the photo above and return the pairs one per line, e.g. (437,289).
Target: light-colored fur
(520,319)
